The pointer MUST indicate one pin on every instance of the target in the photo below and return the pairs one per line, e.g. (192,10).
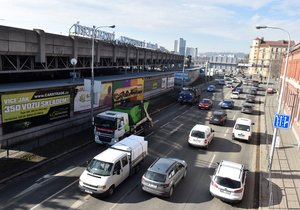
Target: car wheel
(171,191)
(233,137)
(111,190)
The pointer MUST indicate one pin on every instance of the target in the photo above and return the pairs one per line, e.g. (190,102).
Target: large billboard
(28,109)
(130,89)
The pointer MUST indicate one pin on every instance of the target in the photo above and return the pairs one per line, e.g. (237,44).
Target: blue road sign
(281,121)
(181,75)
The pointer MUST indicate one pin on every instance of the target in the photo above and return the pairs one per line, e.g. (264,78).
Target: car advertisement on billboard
(28,109)
(131,89)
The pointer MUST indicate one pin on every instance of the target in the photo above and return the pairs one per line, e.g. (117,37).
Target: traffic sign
(181,75)
(281,121)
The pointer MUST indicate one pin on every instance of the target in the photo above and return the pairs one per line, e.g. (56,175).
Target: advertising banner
(28,109)
(170,82)
(131,89)
(82,100)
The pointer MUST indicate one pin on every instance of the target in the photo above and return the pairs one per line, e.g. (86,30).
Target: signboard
(181,75)
(281,121)
(28,109)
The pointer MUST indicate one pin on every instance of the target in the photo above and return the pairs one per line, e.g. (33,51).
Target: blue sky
(209,25)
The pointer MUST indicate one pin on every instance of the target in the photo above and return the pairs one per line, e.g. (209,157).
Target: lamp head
(260,27)
(113,26)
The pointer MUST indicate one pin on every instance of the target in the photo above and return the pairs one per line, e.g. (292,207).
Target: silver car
(163,175)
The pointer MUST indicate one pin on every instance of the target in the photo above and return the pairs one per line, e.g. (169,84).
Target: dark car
(239,89)
(247,108)
(227,104)
(218,118)
(250,98)
(205,104)
(270,90)
(211,88)
(221,82)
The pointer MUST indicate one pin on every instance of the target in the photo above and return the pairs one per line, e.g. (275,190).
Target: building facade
(182,44)
(190,51)
(291,95)
(265,55)
(226,63)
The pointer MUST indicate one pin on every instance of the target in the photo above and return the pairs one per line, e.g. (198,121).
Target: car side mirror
(212,130)
(253,123)
(218,163)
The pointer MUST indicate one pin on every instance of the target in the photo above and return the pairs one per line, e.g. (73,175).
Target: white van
(201,136)
(242,129)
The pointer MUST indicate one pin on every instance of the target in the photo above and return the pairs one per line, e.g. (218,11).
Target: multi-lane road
(56,186)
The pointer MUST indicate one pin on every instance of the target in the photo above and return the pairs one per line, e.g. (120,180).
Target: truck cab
(105,172)
(189,95)
(110,126)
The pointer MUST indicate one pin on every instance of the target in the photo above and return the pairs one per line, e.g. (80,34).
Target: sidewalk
(284,180)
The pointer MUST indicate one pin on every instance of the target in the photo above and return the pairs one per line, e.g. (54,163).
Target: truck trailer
(128,118)
(112,166)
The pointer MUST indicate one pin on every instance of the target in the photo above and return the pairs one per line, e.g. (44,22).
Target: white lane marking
(155,121)
(78,203)
(164,125)
(47,199)
(176,129)
(212,160)
(226,131)
(150,134)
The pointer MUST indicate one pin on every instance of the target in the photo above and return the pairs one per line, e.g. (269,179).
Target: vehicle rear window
(155,176)
(242,127)
(198,134)
(227,182)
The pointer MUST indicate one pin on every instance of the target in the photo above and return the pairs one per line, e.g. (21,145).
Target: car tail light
(166,185)
(205,141)
(214,184)
(102,187)
(238,190)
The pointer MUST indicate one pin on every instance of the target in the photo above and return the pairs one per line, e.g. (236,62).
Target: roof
(243,121)
(162,165)
(200,127)
(230,169)
(109,155)
(69,82)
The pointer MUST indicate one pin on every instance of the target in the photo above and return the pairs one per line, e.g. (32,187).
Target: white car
(235,95)
(201,136)
(228,181)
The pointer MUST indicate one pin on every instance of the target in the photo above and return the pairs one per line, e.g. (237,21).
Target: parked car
(239,89)
(228,181)
(218,117)
(227,104)
(211,88)
(235,95)
(205,104)
(271,90)
(163,175)
(221,82)
(201,136)
(250,98)
(247,108)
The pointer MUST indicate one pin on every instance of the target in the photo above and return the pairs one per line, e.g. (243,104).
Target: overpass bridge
(29,54)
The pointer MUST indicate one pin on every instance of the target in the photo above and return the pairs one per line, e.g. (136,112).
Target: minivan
(242,129)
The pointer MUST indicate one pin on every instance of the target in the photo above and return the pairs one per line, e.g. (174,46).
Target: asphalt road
(56,186)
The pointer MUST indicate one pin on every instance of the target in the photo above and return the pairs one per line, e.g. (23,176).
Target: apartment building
(265,55)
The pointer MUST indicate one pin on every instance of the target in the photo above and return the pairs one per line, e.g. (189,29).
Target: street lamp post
(92,69)
(183,71)
(281,90)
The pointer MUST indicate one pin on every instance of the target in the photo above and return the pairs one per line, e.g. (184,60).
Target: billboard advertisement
(28,109)
(130,89)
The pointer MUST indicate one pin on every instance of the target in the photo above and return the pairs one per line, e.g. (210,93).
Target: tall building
(176,46)
(264,54)
(196,52)
(190,51)
(227,63)
(182,44)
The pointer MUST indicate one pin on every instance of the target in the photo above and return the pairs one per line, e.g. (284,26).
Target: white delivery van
(242,129)
(112,166)
(201,136)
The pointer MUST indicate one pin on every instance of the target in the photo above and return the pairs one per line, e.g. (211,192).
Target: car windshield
(106,122)
(206,101)
(185,92)
(247,107)
(227,102)
(155,176)
(198,134)
(242,127)
(99,167)
(227,182)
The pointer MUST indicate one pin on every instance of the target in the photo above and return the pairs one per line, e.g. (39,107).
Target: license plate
(88,191)
(225,191)
(152,185)
(240,134)
(216,120)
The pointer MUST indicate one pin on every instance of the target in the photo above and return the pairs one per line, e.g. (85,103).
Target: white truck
(112,166)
